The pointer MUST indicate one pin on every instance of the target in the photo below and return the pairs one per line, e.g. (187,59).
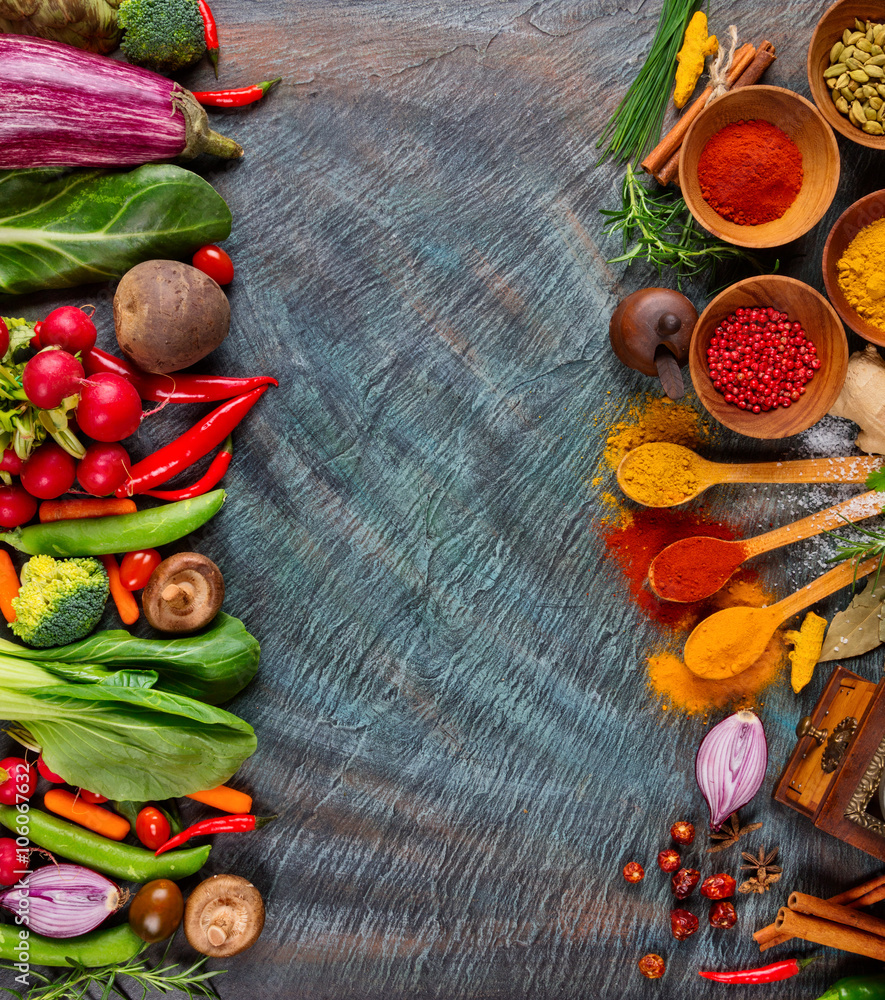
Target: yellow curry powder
(655,418)
(661,476)
(861,276)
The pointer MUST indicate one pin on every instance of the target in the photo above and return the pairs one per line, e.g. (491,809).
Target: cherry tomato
(20,782)
(56,779)
(152,828)
(156,911)
(136,568)
(92,797)
(212,260)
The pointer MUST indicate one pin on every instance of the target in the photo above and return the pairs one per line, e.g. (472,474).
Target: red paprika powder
(696,568)
(750,172)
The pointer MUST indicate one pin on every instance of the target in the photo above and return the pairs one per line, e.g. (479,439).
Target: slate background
(452,713)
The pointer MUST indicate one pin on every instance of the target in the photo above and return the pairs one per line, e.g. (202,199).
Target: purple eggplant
(62,107)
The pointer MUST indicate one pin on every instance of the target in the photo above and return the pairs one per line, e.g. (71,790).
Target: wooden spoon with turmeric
(661,474)
(731,640)
(696,567)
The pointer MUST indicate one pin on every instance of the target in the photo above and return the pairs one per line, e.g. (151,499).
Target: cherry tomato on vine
(152,828)
(212,260)
(136,568)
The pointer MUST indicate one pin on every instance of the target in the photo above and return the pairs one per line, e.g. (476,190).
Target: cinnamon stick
(765,56)
(801,902)
(830,935)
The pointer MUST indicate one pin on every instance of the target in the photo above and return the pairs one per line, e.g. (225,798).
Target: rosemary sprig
(664,233)
(76,983)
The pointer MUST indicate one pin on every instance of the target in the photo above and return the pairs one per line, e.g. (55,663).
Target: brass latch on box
(837,741)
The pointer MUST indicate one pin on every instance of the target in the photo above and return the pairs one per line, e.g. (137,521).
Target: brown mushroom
(224,916)
(650,332)
(185,592)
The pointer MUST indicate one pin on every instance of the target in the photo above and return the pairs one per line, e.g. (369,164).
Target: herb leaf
(856,629)
(876,480)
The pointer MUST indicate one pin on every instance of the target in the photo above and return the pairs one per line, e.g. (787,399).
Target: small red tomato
(683,924)
(19,782)
(92,797)
(634,872)
(669,860)
(56,779)
(682,832)
(212,260)
(136,568)
(152,828)
(684,882)
(723,914)
(718,886)
(652,966)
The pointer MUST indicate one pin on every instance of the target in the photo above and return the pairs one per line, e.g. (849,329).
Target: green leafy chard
(60,228)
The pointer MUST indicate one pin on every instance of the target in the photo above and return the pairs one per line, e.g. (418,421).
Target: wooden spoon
(730,554)
(731,640)
(852,469)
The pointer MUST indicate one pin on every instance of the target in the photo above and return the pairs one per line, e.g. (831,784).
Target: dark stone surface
(452,713)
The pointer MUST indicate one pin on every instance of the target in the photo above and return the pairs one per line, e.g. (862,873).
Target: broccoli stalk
(163,35)
(60,600)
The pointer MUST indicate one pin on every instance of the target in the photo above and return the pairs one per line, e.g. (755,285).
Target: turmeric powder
(661,474)
(696,46)
(807,644)
(860,273)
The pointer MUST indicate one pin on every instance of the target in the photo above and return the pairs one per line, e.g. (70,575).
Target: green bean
(107,946)
(145,529)
(84,847)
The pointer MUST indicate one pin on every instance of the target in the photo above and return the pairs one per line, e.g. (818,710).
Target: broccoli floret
(60,601)
(163,35)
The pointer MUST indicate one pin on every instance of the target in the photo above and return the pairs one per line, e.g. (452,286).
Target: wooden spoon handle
(853,469)
(855,509)
(823,586)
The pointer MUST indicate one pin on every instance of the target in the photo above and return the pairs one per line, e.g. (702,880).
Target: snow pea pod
(145,529)
(124,861)
(106,946)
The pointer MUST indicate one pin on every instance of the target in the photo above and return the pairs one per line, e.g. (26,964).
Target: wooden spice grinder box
(834,772)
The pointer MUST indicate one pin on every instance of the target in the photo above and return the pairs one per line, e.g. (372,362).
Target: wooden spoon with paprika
(637,477)
(731,640)
(696,567)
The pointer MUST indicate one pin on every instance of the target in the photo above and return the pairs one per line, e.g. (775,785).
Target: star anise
(766,872)
(730,833)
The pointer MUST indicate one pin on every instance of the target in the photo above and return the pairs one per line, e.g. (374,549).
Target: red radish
(19,782)
(4,337)
(92,797)
(69,328)
(15,861)
(49,472)
(109,407)
(51,376)
(10,462)
(103,468)
(56,779)
(17,506)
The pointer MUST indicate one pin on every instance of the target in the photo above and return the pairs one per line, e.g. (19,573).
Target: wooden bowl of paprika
(863,285)
(820,325)
(766,159)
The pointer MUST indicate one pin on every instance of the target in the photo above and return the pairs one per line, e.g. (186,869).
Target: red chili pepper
(217,824)
(235,98)
(177,388)
(766,974)
(206,482)
(211,31)
(191,446)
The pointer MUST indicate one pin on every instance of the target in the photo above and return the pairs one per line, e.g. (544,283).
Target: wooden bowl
(804,124)
(829,31)
(855,218)
(822,326)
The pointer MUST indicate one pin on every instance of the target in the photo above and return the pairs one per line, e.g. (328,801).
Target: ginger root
(696,46)
(807,644)
(862,399)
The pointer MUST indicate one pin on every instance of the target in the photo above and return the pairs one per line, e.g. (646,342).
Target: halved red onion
(62,901)
(730,765)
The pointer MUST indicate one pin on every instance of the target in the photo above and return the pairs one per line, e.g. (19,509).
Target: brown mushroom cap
(224,916)
(185,592)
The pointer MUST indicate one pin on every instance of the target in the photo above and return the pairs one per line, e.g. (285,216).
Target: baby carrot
(226,799)
(69,510)
(93,817)
(9,586)
(127,606)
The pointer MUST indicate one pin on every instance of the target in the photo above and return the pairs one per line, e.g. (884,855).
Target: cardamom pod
(842,105)
(873,128)
(852,63)
(877,103)
(847,93)
(876,72)
(836,51)
(854,36)
(875,61)
(860,25)
(836,70)
(860,75)
(864,45)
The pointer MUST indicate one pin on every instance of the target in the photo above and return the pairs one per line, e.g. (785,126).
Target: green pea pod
(84,847)
(107,946)
(145,529)
(857,988)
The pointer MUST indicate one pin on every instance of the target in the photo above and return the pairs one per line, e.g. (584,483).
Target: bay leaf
(857,629)
(60,227)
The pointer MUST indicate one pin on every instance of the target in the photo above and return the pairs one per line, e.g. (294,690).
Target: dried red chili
(683,924)
(684,881)
(719,886)
(682,832)
(669,860)
(634,872)
(238,98)
(652,966)
(723,914)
